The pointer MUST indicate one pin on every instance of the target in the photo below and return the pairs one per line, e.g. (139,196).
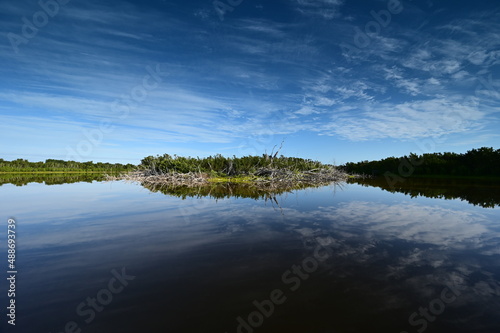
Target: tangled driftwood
(264,178)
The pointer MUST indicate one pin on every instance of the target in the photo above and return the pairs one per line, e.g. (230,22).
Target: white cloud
(327,9)
(410,86)
(323,101)
(410,120)
(306,110)
(433,81)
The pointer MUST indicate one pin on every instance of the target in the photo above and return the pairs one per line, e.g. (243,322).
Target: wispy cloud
(410,120)
(327,9)
(225,81)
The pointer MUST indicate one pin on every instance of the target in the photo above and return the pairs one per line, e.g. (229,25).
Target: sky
(334,80)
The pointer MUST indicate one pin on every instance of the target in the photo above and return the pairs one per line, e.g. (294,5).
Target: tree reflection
(22,179)
(483,193)
(225,190)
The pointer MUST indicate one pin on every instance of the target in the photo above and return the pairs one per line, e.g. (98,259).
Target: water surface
(348,258)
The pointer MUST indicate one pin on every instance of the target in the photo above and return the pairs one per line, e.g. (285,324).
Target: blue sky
(337,80)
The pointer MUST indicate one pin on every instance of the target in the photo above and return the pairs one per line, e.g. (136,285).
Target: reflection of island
(224,190)
(484,193)
(21,179)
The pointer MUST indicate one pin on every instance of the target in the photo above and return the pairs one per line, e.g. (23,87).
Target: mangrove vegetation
(482,162)
(267,172)
(51,165)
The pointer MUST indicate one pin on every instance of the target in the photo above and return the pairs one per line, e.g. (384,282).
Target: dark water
(116,257)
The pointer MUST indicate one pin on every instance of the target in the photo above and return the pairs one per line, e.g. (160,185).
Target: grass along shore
(53,172)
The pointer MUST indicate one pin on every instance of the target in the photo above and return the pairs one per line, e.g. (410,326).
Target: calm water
(117,257)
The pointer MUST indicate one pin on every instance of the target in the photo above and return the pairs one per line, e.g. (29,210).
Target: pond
(117,257)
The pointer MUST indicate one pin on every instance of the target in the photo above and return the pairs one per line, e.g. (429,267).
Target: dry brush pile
(262,178)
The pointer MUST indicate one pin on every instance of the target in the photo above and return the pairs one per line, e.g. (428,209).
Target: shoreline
(438,177)
(48,172)
(262,179)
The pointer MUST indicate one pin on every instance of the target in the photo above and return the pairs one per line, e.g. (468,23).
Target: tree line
(484,161)
(227,166)
(51,165)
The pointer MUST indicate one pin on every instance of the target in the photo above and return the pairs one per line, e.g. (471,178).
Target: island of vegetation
(266,172)
(262,172)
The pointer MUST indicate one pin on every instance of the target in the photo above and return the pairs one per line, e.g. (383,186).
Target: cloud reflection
(411,222)
(391,256)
